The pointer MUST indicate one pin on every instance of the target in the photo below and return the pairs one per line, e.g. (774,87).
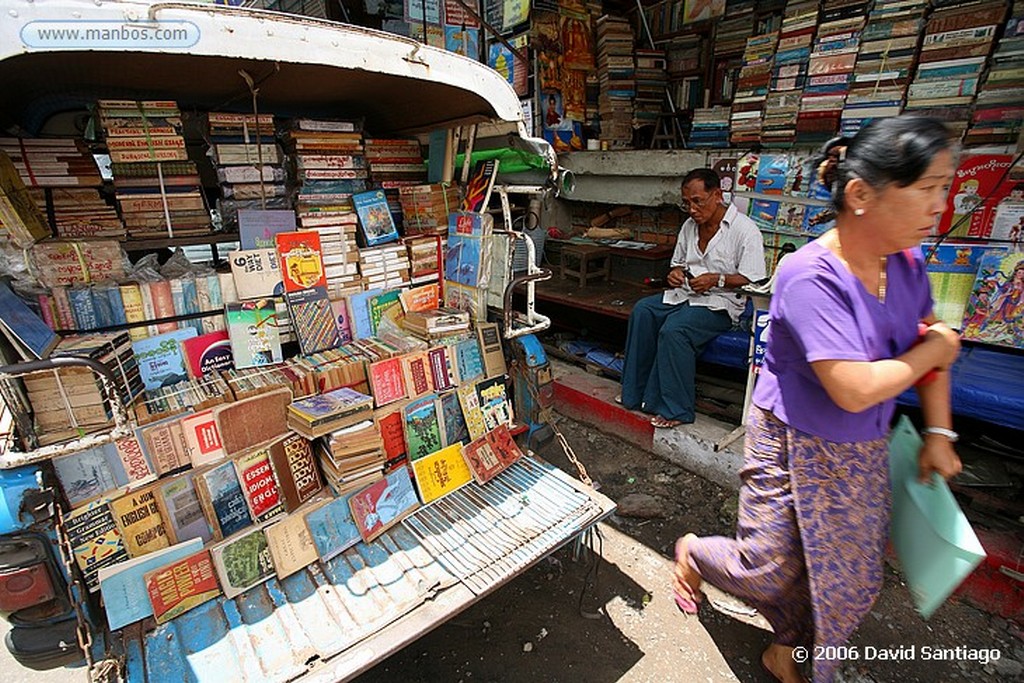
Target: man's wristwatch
(721,280)
(942,431)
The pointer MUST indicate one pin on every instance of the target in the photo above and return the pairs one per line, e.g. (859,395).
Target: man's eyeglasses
(696,203)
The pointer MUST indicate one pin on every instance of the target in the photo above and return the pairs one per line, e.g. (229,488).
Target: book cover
(138,519)
(254,334)
(256,273)
(422,427)
(339,307)
(387,381)
(491,352)
(952,270)
(160,358)
(242,562)
(123,586)
(296,471)
(332,528)
(491,453)
(469,362)
(453,424)
(480,185)
(375,220)
(95,540)
(1008,224)
(470,402)
(253,421)
(208,353)
(333,404)
(163,305)
(416,368)
(463,261)
(202,438)
(181,585)
(181,510)
(993,314)
(359,313)
(163,443)
(980,183)
(495,406)
(381,505)
(259,485)
(380,306)
(423,298)
(222,497)
(300,259)
(257,228)
(440,473)
(313,320)
(442,371)
(291,545)
(28,328)
(392,434)
(86,475)
(771,174)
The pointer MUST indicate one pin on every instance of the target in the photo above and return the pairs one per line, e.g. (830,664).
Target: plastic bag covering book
(383,504)
(375,220)
(935,544)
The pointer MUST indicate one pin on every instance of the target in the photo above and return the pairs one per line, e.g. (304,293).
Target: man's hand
(702,283)
(676,277)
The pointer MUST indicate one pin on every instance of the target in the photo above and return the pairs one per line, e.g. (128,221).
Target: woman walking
(844,341)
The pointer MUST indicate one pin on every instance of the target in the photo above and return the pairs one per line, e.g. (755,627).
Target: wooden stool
(584,262)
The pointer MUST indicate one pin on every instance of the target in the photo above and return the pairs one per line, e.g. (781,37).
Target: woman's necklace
(882,275)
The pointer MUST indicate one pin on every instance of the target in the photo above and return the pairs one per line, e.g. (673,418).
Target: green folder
(935,544)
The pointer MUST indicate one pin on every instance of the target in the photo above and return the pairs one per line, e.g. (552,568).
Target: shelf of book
(191,240)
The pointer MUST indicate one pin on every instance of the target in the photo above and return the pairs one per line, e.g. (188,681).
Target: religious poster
(995,311)
(574,94)
(577,43)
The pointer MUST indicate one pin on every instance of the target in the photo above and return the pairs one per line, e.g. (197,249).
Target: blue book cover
(123,587)
(160,358)
(101,306)
(359,308)
(468,360)
(22,322)
(375,220)
(226,498)
(190,299)
(82,308)
(771,173)
(764,212)
(113,293)
(454,423)
(462,260)
(332,528)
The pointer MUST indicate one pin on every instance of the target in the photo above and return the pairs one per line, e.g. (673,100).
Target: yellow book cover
(134,312)
(474,417)
(291,545)
(138,518)
(440,473)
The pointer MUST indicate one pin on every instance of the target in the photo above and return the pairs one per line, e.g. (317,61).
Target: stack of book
(440,322)
(52,162)
(710,127)
(426,258)
(831,68)
(425,208)
(395,164)
(385,267)
(72,402)
(957,42)
(248,162)
(332,369)
(685,68)
(79,212)
(322,414)
(884,62)
(252,381)
(732,31)
(651,81)
(999,109)
(789,72)
(745,119)
(194,394)
(353,456)
(157,189)
(616,76)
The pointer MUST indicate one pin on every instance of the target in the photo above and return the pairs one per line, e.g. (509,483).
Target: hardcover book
(440,473)
(291,545)
(295,468)
(253,330)
(259,485)
(202,438)
(223,500)
(375,220)
(242,562)
(181,585)
(95,540)
(138,519)
(491,453)
(491,352)
(422,427)
(180,509)
(253,421)
(332,528)
(442,370)
(208,353)
(160,358)
(378,507)
(18,320)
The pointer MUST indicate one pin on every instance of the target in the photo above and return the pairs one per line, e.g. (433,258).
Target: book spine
(163,304)
(131,297)
(148,312)
(82,308)
(46,309)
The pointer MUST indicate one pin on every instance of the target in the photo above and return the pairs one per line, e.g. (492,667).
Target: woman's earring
(858,212)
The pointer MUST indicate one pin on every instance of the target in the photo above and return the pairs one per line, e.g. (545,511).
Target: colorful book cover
(440,473)
(26,326)
(422,427)
(491,453)
(208,353)
(160,358)
(359,313)
(95,540)
(470,402)
(798,173)
(764,212)
(256,273)
(952,270)
(339,307)
(817,220)
(259,485)
(454,429)
(253,330)
(181,510)
(220,489)
(416,368)
(481,181)
(123,586)
(138,518)
(995,311)
(790,216)
(300,259)
(333,404)
(86,475)
(462,261)
(380,306)
(242,562)
(1008,224)
(392,435)
(181,585)
(295,468)
(381,505)
(258,227)
(980,183)
(375,220)
(291,545)
(332,528)
(771,173)
(202,438)
(746,172)
(423,298)
(313,320)
(387,381)
(468,360)
(495,406)
(442,372)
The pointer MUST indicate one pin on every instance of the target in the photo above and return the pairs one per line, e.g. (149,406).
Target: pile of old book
(394,164)
(353,456)
(249,164)
(52,162)
(789,72)
(425,208)
(157,189)
(321,414)
(748,104)
(616,74)
(999,108)
(385,267)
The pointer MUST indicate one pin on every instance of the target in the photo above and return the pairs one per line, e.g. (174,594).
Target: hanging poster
(700,10)
(418,11)
(574,94)
(464,41)
(995,311)
(515,71)
(514,12)
(577,44)
(493,10)
(554,113)
(456,15)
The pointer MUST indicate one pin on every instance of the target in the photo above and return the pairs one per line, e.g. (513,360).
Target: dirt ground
(585,618)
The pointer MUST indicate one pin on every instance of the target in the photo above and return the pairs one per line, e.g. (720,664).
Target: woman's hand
(937,455)
(947,340)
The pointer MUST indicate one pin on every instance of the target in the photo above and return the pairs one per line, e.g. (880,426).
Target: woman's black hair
(892,150)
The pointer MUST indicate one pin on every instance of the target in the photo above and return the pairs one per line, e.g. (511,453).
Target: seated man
(717,251)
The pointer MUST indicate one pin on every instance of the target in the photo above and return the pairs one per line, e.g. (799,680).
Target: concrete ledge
(692,447)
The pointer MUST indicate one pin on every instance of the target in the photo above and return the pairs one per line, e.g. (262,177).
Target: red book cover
(392,434)
(491,453)
(417,374)
(387,381)
(441,369)
(974,195)
(259,485)
(208,353)
(182,585)
(301,265)
(383,504)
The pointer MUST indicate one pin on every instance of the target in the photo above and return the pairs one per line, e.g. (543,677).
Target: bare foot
(685,579)
(778,661)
